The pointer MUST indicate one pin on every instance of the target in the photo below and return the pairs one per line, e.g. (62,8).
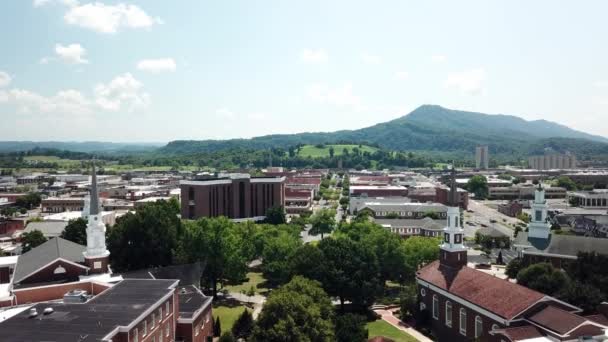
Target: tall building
(96,255)
(466,304)
(553,161)
(236,196)
(539,226)
(482,158)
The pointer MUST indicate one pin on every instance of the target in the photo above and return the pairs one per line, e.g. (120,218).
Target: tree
(419,251)
(227,337)
(217,327)
(298,311)
(275,215)
(565,182)
(514,267)
(30,201)
(585,296)
(478,185)
(351,328)
(243,326)
(216,243)
(408,300)
(331,152)
(31,240)
(76,231)
(351,271)
(145,238)
(543,278)
(276,254)
(573,201)
(323,222)
(307,261)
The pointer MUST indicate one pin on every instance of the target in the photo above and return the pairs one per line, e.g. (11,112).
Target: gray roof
(425,223)
(566,245)
(191,300)
(49,229)
(414,207)
(46,253)
(491,232)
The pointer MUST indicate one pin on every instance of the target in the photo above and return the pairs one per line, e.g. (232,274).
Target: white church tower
(96,255)
(539,226)
(453,251)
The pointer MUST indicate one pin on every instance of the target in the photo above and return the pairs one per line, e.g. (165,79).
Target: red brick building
(378,191)
(442,195)
(236,196)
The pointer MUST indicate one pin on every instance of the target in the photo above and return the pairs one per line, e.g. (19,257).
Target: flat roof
(117,306)
(191,300)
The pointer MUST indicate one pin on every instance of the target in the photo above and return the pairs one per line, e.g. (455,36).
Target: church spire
(453,251)
(539,227)
(96,254)
(94,204)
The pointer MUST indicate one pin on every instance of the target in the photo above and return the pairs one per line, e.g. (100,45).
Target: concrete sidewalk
(389,317)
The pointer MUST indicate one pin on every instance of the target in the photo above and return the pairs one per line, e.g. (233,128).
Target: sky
(157,70)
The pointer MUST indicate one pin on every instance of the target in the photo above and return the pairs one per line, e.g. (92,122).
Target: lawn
(228,315)
(382,328)
(316,152)
(255,279)
(62,163)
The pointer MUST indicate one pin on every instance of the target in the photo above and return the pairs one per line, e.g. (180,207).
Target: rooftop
(191,301)
(566,245)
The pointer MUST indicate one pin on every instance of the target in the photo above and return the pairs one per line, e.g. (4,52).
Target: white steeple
(453,252)
(539,226)
(96,229)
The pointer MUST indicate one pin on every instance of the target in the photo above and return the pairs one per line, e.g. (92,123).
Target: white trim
(460,313)
(546,299)
(586,322)
(446,313)
(45,266)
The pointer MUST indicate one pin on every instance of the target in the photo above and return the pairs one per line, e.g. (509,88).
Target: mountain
(84,146)
(431,128)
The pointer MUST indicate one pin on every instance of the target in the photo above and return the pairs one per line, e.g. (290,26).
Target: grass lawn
(381,328)
(315,152)
(255,279)
(62,163)
(228,315)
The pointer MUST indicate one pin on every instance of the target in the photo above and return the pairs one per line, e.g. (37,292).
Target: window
(153,338)
(435,307)
(494,326)
(422,292)
(197,330)
(160,314)
(136,335)
(448,313)
(458,238)
(167,308)
(167,330)
(463,322)
(153,320)
(538,215)
(449,225)
(478,326)
(446,237)
(145,328)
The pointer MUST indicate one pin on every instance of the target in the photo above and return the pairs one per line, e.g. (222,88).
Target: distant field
(62,163)
(316,152)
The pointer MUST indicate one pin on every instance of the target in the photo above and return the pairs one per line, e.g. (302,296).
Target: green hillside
(316,151)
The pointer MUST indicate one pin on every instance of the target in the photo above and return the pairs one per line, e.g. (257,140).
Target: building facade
(553,161)
(595,199)
(236,196)
(482,158)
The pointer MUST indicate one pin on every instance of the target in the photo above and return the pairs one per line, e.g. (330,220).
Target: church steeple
(96,254)
(453,251)
(539,227)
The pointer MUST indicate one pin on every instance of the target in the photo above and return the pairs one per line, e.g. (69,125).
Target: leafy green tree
(351,328)
(243,326)
(275,215)
(30,201)
(215,242)
(323,222)
(276,254)
(590,268)
(217,327)
(331,151)
(76,231)
(585,296)
(298,311)
(408,300)
(419,251)
(432,214)
(565,182)
(145,238)
(351,271)
(543,278)
(478,185)
(307,261)
(31,240)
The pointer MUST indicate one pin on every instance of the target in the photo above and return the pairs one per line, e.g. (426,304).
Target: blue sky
(164,70)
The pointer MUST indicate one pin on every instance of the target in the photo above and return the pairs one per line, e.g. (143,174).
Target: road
(483,215)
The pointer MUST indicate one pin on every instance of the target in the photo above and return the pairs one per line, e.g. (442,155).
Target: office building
(482,159)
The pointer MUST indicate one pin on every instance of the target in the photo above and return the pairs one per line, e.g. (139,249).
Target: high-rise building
(553,161)
(482,157)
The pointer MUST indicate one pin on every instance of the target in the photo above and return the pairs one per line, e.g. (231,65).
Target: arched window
(463,322)
(59,270)
(494,326)
(448,313)
(435,307)
(478,326)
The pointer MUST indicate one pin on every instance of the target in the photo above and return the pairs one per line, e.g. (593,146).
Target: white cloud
(600,84)
(3,96)
(371,59)
(104,18)
(69,3)
(311,56)
(124,91)
(402,75)
(467,82)
(65,102)
(39,3)
(5,79)
(439,58)
(73,54)
(341,96)
(157,65)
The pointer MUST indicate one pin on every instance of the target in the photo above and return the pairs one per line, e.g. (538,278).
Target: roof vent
(48,311)
(76,296)
(183,290)
(33,312)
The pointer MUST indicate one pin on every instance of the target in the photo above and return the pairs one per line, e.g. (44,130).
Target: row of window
(153,324)
(462,316)
(404,213)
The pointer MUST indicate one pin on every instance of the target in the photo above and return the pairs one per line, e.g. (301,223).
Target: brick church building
(465,304)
